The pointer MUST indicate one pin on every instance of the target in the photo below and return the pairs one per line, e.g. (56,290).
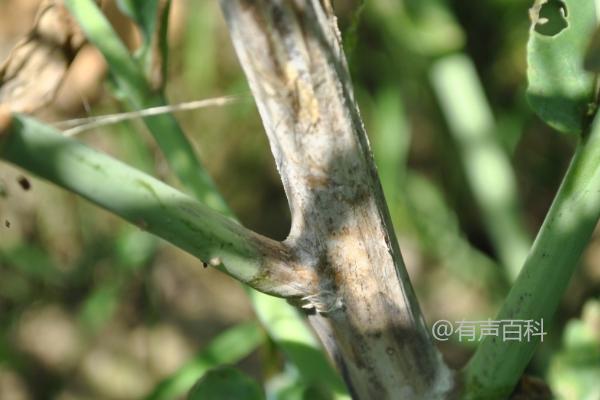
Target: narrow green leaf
(560,91)
(226,383)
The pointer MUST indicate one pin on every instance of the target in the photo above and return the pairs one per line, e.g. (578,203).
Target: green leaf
(560,91)
(226,383)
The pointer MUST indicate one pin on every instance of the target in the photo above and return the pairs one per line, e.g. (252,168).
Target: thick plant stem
(260,262)
(497,365)
(364,310)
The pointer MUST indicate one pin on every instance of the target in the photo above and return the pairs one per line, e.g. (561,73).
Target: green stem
(152,205)
(180,154)
(497,365)
(124,69)
(131,80)
(486,164)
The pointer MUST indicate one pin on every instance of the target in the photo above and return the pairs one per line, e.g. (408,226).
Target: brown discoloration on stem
(281,272)
(367,314)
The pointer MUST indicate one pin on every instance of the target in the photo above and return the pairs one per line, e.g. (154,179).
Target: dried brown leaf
(37,65)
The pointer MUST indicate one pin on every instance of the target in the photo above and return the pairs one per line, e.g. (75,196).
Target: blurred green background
(92,308)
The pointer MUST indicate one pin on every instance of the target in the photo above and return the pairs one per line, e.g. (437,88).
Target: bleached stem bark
(364,309)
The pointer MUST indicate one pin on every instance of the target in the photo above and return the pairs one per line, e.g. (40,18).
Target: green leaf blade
(560,91)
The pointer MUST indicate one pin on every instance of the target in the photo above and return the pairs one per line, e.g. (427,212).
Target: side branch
(262,263)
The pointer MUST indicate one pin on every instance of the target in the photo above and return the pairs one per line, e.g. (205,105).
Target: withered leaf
(37,65)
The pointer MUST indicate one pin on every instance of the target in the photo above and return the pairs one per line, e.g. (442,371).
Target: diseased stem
(497,365)
(262,263)
(364,310)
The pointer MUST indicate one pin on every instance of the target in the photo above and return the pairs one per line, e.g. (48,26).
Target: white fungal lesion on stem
(292,56)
